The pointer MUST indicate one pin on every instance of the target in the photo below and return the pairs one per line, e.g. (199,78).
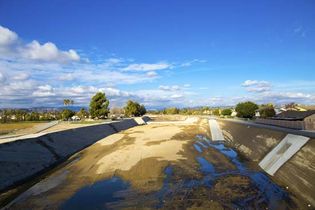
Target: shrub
(67,114)
(226,112)
(134,109)
(267,111)
(216,112)
(246,109)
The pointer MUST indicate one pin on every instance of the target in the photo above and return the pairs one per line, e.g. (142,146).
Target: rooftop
(294,115)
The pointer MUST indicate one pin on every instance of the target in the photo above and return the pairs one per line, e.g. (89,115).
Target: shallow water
(97,195)
(262,192)
(269,194)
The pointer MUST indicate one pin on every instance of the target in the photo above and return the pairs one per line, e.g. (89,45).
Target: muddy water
(224,184)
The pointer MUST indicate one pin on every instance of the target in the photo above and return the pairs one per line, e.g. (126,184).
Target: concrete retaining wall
(297,174)
(22,159)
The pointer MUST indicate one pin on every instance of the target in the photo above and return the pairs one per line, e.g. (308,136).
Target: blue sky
(161,53)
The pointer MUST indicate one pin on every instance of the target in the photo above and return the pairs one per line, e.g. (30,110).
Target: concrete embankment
(25,158)
(297,174)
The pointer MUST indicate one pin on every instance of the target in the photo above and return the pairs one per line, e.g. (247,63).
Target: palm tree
(66,102)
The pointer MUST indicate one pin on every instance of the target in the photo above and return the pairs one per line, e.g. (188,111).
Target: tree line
(246,109)
(98,109)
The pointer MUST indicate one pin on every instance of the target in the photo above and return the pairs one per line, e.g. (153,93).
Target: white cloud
(177,96)
(287,97)
(7,36)
(48,52)
(2,78)
(113,60)
(152,74)
(147,66)
(81,90)
(14,48)
(21,76)
(256,86)
(114,92)
(66,77)
(189,63)
(44,91)
(169,88)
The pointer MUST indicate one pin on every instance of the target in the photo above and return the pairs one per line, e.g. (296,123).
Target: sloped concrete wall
(280,154)
(124,125)
(297,174)
(255,143)
(22,159)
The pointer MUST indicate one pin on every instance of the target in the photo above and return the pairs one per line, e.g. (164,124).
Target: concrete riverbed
(168,166)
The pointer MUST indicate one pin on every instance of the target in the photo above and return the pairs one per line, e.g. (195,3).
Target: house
(293,107)
(294,115)
(234,113)
(303,120)
(75,118)
(278,110)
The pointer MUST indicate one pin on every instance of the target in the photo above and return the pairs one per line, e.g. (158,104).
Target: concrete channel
(175,163)
(23,158)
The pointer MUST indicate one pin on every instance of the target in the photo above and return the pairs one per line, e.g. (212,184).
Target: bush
(134,109)
(216,112)
(171,110)
(67,114)
(226,112)
(246,109)
(82,114)
(267,111)
(142,110)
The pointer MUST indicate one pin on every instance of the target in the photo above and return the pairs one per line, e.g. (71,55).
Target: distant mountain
(46,109)
(73,108)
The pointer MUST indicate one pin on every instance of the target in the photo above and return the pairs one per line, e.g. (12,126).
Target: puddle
(202,144)
(260,192)
(198,148)
(205,165)
(96,196)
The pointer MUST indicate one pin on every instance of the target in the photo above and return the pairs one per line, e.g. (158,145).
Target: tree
(82,113)
(216,112)
(33,116)
(99,105)
(134,109)
(142,110)
(171,110)
(67,114)
(226,112)
(246,109)
(67,102)
(267,110)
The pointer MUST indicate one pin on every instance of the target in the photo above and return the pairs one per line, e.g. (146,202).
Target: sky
(160,53)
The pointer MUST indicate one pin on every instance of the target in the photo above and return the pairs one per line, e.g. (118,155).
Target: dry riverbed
(168,166)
